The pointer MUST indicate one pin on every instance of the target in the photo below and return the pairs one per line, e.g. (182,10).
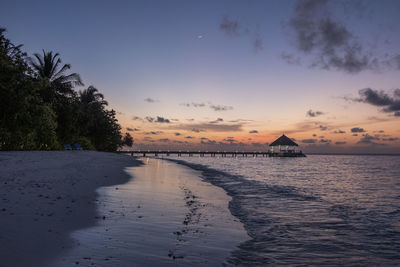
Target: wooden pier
(222,154)
(282,147)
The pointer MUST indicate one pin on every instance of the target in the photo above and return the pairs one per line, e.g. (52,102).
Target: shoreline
(165,216)
(48,194)
(55,202)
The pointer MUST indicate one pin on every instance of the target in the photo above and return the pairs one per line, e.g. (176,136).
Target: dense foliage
(40,110)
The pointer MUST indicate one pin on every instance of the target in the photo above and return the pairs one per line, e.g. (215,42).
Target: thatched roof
(283,141)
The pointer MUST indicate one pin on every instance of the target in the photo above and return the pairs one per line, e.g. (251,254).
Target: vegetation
(40,110)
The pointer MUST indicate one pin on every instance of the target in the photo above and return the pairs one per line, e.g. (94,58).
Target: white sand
(46,195)
(165,216)
(75,208)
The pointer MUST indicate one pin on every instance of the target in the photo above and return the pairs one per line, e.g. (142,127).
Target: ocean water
(318,210)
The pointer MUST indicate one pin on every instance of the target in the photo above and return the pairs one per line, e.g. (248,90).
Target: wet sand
(47,195)
(165,216)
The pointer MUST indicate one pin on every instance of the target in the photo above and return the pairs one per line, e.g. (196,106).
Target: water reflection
(321,210)
(165,216)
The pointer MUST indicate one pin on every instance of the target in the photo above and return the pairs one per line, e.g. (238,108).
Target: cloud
(357,130)
(374,119)
(314,135)
(376,98)
(234,28)
(339,132)
(177,134)
(210,105)
(309,141)
(323,128)
(390,139)
(381,99)
(153,132)
(341,143)
(189,137)
(193,104)
(196,130)
(221,107)
(253,132)
(149,119)
(162,120)
(164,140)
(132,129)
(150,100)
(230,139)
(325,141)
(212,127)
(368,140)
(229,26)
(136,118)
(157,120)
(355,134)
(331,44)
(217,120)
(311,113)
(208,142)
(240,120)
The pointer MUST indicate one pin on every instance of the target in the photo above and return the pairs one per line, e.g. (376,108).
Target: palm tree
(47,66)
(91,96)
(100,125)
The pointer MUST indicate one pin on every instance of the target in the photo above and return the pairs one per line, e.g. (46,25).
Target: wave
(250,198)
(290,226)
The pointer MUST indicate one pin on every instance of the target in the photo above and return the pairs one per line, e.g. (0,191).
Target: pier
(223,154)
(282,147)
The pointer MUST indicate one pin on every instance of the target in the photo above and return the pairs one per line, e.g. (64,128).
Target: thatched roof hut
(283,141)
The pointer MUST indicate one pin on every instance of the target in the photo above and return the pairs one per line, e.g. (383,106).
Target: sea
(319,210)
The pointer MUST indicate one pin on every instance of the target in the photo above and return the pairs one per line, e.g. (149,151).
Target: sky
(231,75)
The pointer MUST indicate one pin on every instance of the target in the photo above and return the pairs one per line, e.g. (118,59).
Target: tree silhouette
(91,96)
(48,67)
(127,140)
(39,108)
(26,122)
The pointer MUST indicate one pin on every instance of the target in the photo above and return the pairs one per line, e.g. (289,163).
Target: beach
(104,209)
(47,195)
(78,208)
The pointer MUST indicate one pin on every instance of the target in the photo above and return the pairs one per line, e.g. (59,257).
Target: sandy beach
(104,209)
(47,195)
(166,215)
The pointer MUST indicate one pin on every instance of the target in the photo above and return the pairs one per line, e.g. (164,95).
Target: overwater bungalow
(284,147)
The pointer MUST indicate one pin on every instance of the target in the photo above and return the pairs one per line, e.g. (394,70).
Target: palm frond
(48,65)
(54,66)
(73,78)
(38,67)
(62,70)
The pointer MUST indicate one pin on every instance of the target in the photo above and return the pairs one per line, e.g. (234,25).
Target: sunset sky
(231,75)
